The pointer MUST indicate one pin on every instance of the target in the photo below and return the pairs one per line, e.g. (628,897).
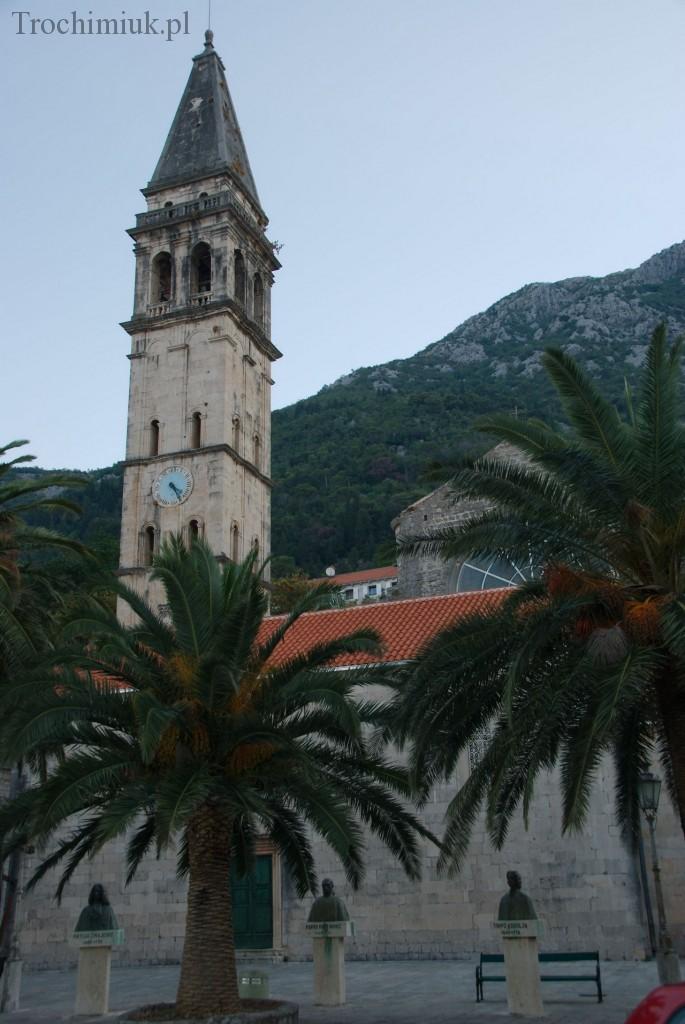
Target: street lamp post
(649,789)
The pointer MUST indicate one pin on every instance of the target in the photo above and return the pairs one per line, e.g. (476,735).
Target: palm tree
(32,587)
(22,496)
(194,727)
(589,658)
(29,598)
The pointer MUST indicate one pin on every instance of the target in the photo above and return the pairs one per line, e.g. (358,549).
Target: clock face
(172,486)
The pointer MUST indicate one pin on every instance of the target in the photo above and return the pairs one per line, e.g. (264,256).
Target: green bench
(544,958)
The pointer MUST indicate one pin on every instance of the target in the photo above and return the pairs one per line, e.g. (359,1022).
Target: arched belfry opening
(194,530)
(257,458)
(201,269)
(258,291)
(235,542)
(239,277)
(161,278)
(236,433)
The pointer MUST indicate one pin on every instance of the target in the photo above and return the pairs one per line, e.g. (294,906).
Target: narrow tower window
(154,437)
(201,269)
(258,299)
(148,545)
(236,433)
(196,431)
(239,277)
(235,542)
(193,530)
(161,278)
(257,452)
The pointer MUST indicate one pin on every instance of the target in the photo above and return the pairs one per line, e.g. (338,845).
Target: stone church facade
(197,459)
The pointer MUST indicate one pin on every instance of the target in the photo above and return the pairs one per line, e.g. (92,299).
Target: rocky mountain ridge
(608,317)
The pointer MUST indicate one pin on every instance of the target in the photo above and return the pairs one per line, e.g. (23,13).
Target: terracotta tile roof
(403,626)
(386,572)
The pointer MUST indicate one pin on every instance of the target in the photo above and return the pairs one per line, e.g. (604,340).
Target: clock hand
(175,489)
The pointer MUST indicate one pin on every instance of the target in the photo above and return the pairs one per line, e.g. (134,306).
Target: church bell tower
(199,416)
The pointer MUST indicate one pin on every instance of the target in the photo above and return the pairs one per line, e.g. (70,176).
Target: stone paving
(396,992)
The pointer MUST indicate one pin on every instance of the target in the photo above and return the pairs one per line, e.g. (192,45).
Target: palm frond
(593,418)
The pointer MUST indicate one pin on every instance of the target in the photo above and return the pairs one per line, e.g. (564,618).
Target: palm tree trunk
(208,983)
(672,707)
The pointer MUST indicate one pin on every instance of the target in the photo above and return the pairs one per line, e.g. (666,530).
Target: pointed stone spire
(205,136)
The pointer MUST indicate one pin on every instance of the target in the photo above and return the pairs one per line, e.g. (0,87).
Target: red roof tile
(386,572)
(403,626)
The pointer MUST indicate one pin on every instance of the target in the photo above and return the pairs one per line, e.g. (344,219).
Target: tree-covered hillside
(348,459)
(100,501)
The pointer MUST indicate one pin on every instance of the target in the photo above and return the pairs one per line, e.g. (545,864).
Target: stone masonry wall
(421,574)
(585,888)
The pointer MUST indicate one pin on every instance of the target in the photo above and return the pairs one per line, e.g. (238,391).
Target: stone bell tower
(199,416)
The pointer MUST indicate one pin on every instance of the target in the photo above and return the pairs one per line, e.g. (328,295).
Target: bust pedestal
(329,960)
(521,966)
(94,963)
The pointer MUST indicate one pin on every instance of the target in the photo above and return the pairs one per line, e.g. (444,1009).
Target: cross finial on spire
(209,39)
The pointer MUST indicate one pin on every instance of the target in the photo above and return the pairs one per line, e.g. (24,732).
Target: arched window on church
(154,437)
(258,289)
(161,278)
(257,452)
(196,431)
(235,543)
(201,269)
(194,530)
(236,433)
(148,545)
(239,277)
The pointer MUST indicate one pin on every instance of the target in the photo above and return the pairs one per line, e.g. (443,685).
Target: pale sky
(417,160)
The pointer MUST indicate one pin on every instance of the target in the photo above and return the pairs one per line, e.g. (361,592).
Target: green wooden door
(253,906)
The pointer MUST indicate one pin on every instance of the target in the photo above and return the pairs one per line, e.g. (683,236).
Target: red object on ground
(663,1005)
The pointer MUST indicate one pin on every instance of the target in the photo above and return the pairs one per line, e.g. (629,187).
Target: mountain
(348,459)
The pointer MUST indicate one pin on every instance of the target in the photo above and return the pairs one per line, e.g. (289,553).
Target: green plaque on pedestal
(330,929)
(519,929)
(108,937)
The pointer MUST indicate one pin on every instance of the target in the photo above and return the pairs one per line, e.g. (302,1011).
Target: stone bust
(327,907)
(515,905)
(98,916)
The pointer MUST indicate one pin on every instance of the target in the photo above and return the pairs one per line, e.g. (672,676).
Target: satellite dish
(330,571)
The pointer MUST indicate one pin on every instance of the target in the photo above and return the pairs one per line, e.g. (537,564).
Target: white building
(364,585)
